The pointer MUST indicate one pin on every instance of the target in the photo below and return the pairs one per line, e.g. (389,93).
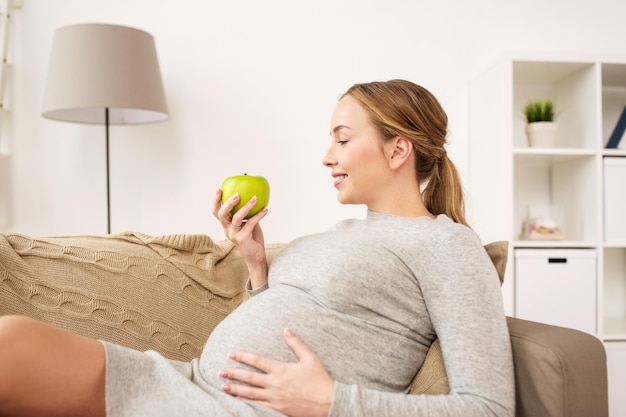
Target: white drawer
(557,286)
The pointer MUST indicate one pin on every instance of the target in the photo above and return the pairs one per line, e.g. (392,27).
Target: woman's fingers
(222,210)
(266,365)
(254,379)
(256,361)
(298,347)
(217,202)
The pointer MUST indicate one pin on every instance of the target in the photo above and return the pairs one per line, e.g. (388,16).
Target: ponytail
(443,193)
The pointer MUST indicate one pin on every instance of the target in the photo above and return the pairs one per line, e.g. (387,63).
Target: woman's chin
(345,200)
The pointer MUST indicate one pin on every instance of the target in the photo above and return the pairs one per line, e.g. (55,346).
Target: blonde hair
(402,108)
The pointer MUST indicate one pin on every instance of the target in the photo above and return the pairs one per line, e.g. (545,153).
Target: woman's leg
(47,371)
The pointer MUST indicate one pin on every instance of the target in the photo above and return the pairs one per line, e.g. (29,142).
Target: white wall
(250,87)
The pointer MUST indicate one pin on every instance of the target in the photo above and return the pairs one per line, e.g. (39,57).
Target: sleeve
(252,292)
(462,293)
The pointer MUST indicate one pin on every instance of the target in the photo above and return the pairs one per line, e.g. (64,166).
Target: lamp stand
(106,127)
(108,59)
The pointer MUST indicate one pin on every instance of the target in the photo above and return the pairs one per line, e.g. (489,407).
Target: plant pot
(541,134)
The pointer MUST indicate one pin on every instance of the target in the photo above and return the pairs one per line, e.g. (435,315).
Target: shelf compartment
(614,176)
(613,98)
(613,103)
(567,179)
(574,89)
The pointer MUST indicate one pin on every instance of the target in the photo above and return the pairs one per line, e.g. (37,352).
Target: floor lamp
(104,74)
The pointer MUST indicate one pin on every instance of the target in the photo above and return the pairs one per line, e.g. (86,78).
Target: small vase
(541,134)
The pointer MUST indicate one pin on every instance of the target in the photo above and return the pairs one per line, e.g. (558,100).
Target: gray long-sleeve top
(368,297)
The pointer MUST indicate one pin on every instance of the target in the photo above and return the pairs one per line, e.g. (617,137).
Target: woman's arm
(246,235)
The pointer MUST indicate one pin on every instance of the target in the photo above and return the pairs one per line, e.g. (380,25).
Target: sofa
(167,293)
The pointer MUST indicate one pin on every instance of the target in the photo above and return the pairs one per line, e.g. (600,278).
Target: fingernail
(253,198)
(236,196)
(226,387)
(223,373)
(288,333)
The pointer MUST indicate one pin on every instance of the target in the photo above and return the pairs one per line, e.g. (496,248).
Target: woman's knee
(13,323)
(12,329)
(65,369)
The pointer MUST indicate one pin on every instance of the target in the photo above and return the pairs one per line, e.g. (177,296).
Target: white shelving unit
(6,69)
(589,97)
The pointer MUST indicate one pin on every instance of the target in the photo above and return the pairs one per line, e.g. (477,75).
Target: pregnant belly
(257,326)
(351,348)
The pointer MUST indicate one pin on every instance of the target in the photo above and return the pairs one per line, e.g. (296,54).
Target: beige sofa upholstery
(167,293)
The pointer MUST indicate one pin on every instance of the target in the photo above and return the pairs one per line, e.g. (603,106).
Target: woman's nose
(328,159)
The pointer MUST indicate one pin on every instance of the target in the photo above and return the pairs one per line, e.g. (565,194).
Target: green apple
(247,186)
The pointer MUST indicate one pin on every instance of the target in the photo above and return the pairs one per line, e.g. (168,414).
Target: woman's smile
(339,178)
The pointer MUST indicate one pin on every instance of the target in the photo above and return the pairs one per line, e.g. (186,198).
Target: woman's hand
(301,389)
(246,235)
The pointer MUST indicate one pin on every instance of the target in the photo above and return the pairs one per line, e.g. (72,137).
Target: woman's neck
(403,207)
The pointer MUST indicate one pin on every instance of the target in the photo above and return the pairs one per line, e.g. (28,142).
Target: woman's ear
(399,151)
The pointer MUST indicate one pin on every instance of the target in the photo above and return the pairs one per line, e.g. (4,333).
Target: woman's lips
(339,178)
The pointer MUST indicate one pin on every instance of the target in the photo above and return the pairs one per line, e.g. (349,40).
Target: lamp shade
(101,66)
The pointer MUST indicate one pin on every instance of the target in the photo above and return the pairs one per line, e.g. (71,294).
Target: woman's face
(356,155)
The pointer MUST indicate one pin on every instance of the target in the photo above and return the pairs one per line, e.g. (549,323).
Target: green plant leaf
(539,111)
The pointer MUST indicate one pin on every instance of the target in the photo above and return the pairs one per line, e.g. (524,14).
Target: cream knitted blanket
(165,293)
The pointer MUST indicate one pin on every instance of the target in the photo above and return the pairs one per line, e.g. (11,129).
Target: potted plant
(541,126)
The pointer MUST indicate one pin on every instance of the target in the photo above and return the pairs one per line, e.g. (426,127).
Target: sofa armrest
(558,371)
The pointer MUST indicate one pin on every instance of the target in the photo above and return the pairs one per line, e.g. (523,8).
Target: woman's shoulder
(447,226)
(440,228)
(448,233)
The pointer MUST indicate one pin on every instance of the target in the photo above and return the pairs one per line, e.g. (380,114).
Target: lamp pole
(106,128)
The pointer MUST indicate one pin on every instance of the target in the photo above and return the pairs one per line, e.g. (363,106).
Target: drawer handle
(557,260)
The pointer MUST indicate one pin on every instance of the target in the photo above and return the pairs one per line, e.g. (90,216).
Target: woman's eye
(342,142)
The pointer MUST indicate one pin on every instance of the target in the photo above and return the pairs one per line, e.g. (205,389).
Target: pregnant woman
(340,323)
